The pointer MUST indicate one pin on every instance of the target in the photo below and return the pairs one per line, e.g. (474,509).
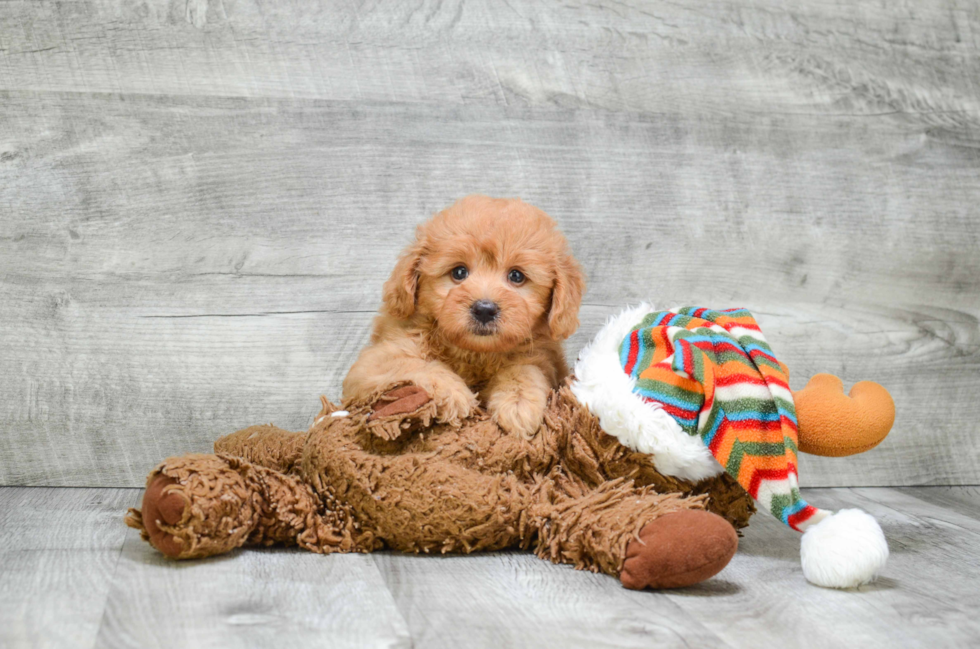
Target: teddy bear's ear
(566,296)
(400,290)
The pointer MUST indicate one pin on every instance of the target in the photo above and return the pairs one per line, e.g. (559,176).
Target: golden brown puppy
(475,312)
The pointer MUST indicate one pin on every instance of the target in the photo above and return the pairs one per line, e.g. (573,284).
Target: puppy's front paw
(455,404)
(454,401)
(518,416)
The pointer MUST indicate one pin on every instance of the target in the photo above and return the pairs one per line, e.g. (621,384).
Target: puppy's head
(491,274)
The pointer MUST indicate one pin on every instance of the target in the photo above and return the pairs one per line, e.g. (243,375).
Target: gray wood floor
(72,575)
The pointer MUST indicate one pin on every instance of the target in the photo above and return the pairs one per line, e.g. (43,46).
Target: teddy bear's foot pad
(164,507)
(679,549)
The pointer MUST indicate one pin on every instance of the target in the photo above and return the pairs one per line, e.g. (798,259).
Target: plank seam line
(112,578)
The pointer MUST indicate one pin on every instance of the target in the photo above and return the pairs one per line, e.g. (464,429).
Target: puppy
(475,312)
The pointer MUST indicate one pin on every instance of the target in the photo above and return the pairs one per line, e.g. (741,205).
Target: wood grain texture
(254,598)
(58,554)
(761,56)
(926,597)
(964,500)
(71,575)
(199,201)
(517,600)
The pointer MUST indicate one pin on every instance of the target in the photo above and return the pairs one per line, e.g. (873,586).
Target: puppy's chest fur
(475,368)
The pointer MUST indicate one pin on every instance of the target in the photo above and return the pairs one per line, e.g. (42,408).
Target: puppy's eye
(460,273)
(516,277)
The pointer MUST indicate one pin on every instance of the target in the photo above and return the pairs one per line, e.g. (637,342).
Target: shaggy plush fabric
(228,502)
(370,476)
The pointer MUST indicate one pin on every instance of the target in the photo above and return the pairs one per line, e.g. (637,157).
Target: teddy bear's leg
(727,498)
(265,445)
(648,540)
(201,505)
(195,506)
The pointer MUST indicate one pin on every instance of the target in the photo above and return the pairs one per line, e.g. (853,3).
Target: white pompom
(844,550)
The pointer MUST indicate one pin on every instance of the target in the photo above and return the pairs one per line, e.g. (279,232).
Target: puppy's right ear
(400,290)
(566,297)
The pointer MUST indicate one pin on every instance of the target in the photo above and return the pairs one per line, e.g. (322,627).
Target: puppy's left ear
(566,296)
(398,294)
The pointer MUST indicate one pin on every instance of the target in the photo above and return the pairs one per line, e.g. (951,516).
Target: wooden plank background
(200,200)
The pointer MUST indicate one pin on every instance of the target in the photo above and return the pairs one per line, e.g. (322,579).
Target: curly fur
(572,494)
(427,335)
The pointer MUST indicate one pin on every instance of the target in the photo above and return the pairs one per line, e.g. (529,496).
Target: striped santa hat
(702,392)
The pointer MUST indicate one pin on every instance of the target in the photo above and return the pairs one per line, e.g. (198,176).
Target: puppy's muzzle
(484,312)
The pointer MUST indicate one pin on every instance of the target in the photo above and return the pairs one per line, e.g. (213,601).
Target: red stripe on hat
(634,351)
(755,424)
(676,411)
(688,359)
(764,474)
(719,437)
(736,379)
(801,516)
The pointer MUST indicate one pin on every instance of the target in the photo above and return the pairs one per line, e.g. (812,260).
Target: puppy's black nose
(484,311)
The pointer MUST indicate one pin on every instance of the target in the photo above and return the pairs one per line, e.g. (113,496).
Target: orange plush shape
(834,424)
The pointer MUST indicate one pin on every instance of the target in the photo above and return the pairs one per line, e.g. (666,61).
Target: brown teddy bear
(591,488)
(382,474)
